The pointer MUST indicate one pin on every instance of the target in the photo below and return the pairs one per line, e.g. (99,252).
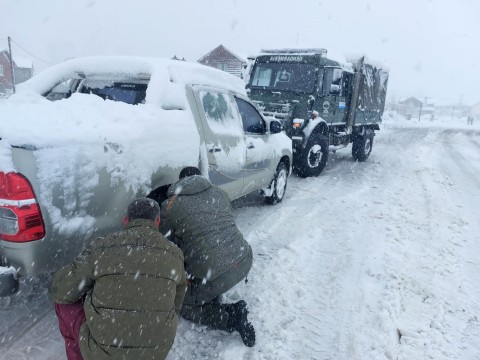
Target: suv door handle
(250,146)
(215,149)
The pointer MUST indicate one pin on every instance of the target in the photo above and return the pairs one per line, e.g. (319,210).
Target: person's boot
(236,308)
(238,321)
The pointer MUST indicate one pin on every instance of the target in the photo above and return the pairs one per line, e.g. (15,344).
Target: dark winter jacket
(134,282)
(201,219)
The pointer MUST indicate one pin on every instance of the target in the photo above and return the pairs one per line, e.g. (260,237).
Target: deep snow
(374,260)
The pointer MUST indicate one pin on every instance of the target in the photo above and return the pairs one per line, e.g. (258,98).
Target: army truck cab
(349,97)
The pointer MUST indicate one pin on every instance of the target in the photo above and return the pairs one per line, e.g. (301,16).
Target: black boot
(238,322)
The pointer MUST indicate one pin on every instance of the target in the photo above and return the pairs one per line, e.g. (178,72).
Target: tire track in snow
(420,298)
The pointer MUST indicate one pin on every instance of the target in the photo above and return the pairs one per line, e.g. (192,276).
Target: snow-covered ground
(374,260)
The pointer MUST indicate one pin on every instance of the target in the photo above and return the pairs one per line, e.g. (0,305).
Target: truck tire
(313,158)
(279,184)
(362,146)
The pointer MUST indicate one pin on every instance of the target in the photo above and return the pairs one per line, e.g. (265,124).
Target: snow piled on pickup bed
(77,138)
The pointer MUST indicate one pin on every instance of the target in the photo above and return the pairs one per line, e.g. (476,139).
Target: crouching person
(217,257)
(121,296)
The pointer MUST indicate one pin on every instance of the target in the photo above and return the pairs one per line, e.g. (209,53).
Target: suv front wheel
(279,184)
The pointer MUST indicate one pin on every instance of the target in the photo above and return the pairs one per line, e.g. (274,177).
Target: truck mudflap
(8,281)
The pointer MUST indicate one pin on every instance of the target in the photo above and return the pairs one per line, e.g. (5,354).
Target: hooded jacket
(201,219)
(134,282)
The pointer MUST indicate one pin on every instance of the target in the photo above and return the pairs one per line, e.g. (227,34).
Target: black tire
(279,184)
(8,284)
(159,194)
(313,158)
(362,146)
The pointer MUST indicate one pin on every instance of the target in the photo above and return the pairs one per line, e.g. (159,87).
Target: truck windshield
(290,77)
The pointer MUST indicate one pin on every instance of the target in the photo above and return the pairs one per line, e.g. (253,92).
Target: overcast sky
(432,47)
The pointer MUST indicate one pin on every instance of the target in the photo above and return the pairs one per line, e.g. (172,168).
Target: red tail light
(20,216)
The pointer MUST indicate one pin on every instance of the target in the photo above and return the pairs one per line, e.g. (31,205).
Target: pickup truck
(82,139)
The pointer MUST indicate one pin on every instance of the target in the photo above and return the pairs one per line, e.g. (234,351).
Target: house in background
(176,58)
(452,109)
(224,59)
(475,110)
(22,68)
(410,107)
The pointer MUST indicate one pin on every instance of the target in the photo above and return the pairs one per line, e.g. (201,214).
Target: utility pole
(12,73)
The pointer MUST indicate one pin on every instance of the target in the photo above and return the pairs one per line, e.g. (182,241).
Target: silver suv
(60,188)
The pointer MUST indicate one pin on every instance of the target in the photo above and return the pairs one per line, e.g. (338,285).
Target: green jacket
(201,218)
(134,283)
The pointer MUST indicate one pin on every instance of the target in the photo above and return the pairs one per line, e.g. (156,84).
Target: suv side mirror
(275,127)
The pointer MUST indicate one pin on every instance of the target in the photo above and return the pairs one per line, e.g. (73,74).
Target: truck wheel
(362,146)
(313,157)
(8,282)
(279,184)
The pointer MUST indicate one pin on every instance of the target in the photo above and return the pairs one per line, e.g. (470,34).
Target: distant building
(452,110)
(224,59)
(410,107)
(23,70)
(475,110)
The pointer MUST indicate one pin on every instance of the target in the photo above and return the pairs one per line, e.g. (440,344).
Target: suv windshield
(291,77)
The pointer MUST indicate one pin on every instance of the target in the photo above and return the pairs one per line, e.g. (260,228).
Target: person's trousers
(70,319)
(212,314)
(202,303)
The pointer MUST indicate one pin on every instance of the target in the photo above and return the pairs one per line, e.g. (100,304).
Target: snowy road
(374,260)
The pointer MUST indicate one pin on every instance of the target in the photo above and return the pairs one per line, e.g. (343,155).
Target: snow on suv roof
(175,71)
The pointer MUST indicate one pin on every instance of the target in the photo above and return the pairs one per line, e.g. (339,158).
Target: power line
(28,52)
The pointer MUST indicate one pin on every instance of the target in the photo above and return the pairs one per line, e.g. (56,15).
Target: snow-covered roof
(294,51)
(20,62)
(23,62)
(179,72)
(346,61)
(241,58)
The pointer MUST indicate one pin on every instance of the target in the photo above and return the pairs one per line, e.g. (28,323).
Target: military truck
(348,95)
